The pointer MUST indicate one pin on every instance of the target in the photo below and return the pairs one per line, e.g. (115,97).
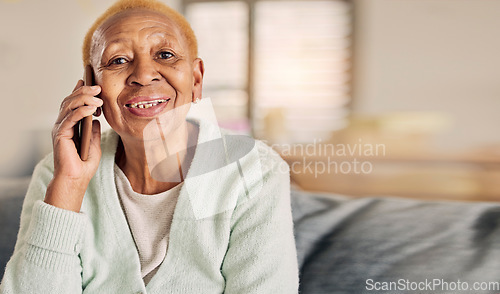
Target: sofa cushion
(348,245)
(12,193)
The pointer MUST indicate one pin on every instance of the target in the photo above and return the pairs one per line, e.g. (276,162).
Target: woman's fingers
(65,127)
(85,91)
(82,96)
(78,114)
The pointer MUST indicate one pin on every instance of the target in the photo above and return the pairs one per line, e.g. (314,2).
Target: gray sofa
(348,245)
(12,193)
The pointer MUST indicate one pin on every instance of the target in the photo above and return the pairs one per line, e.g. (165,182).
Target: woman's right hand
(71,174)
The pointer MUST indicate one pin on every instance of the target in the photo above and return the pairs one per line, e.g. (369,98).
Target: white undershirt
(149,218)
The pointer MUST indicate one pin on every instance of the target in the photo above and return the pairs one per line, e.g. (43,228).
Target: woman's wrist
(65,193)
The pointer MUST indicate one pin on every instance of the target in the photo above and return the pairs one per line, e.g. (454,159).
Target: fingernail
(97,100)
(95,87)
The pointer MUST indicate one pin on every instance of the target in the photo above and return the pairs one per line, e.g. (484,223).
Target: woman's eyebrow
(116,43)
(161,38)
(113,46)
(163,35)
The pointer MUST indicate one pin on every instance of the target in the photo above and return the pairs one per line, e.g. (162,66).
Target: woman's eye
(119,60)
(165,55)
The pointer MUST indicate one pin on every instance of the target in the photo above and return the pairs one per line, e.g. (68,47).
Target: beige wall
(431,55)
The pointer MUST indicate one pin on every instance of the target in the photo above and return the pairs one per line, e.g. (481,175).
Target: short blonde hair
(153,5)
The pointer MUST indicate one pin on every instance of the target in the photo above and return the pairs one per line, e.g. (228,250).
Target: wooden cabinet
(473,176)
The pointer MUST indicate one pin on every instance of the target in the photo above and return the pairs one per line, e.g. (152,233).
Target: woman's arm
(262,257)
(45,258)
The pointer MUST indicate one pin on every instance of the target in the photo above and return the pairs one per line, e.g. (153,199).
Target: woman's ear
(198,71)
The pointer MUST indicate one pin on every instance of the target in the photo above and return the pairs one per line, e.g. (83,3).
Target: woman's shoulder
(236,168)
(267,153)
(245,147)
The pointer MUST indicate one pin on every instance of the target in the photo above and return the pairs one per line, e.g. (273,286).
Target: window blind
(301,58)
(301,78)
(222,32)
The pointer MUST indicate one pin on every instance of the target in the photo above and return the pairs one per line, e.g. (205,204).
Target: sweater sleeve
(46,255)
(261,257)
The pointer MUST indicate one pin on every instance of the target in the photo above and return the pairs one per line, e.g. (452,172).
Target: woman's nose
(144,72)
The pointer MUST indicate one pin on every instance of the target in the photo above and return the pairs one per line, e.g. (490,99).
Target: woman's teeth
(146,104)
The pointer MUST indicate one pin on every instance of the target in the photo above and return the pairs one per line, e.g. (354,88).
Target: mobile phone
(85,125)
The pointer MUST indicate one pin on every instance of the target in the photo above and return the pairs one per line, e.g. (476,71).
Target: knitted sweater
(231,231)
(149,218)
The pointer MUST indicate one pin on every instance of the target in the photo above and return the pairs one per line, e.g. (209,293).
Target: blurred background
(407,90)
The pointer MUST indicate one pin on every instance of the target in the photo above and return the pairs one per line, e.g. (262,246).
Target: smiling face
(143,64)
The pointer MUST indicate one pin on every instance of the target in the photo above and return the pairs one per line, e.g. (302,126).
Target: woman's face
(142,62)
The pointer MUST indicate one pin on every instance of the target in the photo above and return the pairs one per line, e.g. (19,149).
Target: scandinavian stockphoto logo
(227,163)
(323,158)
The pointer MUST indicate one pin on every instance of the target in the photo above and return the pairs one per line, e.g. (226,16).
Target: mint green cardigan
(231,232)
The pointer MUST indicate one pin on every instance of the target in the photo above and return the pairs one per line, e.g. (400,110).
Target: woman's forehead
(136,20)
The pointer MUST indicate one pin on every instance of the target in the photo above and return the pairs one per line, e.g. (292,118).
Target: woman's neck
(155,166)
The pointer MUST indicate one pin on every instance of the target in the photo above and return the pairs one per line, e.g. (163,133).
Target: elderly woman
(162,204)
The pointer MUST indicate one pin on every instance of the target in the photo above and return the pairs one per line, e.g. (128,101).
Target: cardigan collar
(225,169)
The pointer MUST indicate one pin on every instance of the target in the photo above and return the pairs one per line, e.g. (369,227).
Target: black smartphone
(83,129)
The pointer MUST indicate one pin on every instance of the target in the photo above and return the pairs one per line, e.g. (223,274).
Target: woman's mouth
(147,108)
(146,104)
